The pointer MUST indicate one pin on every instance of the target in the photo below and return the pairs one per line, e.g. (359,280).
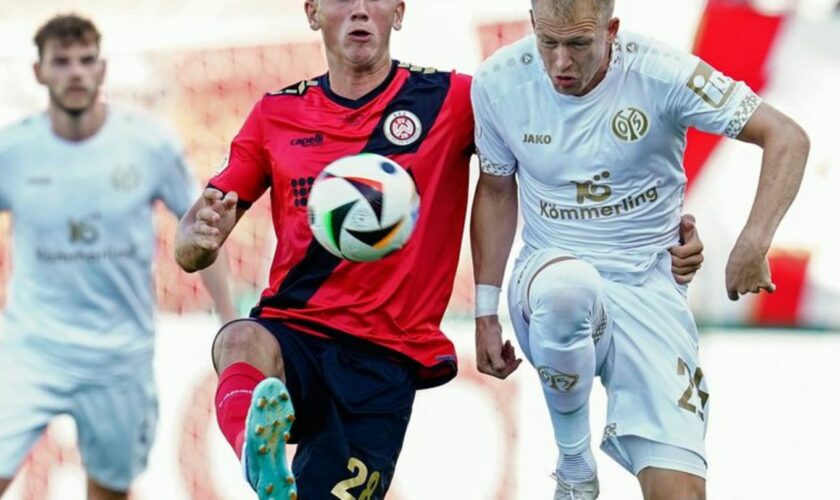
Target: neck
(354,82)
(77,127)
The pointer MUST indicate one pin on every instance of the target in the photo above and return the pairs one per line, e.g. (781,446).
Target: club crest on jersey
(402,128)
(125,177)
(630,124)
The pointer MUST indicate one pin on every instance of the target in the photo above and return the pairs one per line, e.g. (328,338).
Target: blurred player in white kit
(584,128)
(80,181)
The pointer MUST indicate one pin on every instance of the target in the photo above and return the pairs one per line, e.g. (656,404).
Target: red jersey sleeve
(248,167)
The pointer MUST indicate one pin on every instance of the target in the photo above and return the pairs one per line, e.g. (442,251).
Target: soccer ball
(363,207)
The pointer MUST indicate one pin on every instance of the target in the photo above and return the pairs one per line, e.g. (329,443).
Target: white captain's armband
(490,167)
(742,115)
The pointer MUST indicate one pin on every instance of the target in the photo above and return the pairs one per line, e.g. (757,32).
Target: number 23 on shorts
(360,471)
(694,383)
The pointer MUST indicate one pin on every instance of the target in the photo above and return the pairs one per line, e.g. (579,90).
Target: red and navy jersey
(422,119)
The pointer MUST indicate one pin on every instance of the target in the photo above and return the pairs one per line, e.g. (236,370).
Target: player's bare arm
(786,148)
(215,279)
(492,230)
(204,228)
(687,257)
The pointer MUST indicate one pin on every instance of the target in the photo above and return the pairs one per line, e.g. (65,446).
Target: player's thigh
(353,457)
(302,371)
(353,453)
(116,426)
(655,386)
(29,399)
(667,484)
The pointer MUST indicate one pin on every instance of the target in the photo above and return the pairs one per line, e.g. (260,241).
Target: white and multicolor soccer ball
(363,207)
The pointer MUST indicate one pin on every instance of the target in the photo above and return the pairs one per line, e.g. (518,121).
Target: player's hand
(687,257)
(493,357)
(748,270)
(215,219)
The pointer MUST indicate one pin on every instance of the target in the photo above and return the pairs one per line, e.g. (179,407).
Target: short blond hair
(566,10)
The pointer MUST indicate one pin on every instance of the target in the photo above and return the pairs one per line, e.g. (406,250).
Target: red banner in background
(783,308)
(737,40)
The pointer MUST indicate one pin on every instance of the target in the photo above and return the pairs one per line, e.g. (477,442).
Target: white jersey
(80,290)
(601,176)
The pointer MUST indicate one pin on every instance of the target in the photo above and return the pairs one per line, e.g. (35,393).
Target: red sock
(233,397)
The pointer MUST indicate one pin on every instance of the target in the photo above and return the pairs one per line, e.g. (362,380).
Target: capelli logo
(308,142)
(536,139)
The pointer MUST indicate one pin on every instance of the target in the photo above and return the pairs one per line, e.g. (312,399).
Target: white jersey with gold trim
(80,290)
(601,176)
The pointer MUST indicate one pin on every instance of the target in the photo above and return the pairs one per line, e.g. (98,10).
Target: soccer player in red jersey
(337,347)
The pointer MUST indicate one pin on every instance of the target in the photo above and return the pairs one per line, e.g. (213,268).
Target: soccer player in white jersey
(583,128)
(80,181)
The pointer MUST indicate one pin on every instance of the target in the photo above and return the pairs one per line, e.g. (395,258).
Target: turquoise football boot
(266,432)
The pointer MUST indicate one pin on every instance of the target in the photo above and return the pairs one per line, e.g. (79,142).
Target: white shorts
(115,420)
(648,361)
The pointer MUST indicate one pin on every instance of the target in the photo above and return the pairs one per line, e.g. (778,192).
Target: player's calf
(665,484)
(267,427)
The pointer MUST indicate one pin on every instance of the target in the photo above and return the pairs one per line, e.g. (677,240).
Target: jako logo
(308,142)
(536,139)
(594,192)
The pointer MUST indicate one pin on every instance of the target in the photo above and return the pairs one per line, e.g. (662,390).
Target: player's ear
(612,29)
(399,12)
(103,69)
(311,8)
(36,69)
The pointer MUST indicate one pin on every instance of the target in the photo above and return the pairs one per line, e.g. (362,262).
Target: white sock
(577,467)
(563,298)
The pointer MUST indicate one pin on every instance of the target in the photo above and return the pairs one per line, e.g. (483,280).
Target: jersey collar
(324,83)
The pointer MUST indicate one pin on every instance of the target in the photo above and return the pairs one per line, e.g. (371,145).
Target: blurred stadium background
(200,65)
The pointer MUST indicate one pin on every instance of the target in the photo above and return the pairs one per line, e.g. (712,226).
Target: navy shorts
(352,408)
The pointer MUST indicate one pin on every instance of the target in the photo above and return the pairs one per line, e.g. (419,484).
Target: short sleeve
(178,188)
(494,156)
(707,99)
(246,169)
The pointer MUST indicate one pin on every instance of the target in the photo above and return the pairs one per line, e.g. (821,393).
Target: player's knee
(566,293)
(244,341)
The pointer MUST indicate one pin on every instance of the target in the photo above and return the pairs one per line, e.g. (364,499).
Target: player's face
(72,73)
(358,32)
(575,52)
